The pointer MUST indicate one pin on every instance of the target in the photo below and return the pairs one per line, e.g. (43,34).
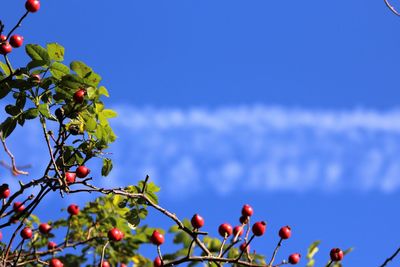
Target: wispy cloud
(256,149)
(262,148)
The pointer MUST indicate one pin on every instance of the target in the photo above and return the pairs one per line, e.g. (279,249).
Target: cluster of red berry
(44,228)
(258,229)
(7,43)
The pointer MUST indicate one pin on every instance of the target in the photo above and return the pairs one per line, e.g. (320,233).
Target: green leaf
(109,113)
(44,110)
(36,63)
(5,68)
(107,167)
(103,91)
(36,52)
(80,68)
(4,90)
(13,110)
(31,113)
(58,70)
(8,126)
(56,51)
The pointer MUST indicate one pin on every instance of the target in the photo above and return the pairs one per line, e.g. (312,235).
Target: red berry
(294,258)
(16,40)
(73,209)
(32,5)
(244,219)
(18,206)
(225,230)
(247,210)
(3,38)
(55,263)
(336,254)
(237,231)
(123,265)
(44,228)
(243,246)
(259,228)
(70,177)
(285,232)
(115,234)
(26,233)
(82,171)
(157,238)
(79,96)
(13,220)
(4,191)
(157,262)
(36,78)
(51,245)
(5,48)
(197,221)
(105,264)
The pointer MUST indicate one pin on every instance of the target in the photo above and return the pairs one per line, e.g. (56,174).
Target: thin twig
(391,257)
(391,8)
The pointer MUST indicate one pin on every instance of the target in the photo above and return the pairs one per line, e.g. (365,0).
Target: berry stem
(103,252)
(19,253)
(222,246)
(275,252)
(330,263)
(159,255)
(245,247)
(18,24)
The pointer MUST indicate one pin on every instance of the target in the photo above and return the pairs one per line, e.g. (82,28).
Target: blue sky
(291,106)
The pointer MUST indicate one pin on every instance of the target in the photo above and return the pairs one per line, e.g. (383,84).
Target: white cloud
(261,148)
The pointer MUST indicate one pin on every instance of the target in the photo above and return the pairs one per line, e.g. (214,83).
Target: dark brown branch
(391,257)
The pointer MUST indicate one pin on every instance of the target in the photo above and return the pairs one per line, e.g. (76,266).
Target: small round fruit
(294,258)
(247,210)
(244,219)
(237,231)
(82,171)
(5,48)
(105,264)
(3,38)
(70,177)
(157,238)
(225,230)
(115,234)
(51,245)
(243,247)
(18,206)
(26,233)
(32,5)
(73,209)
(13,220)
(259,228)
(44,228)
(123,265)
(336,254)
(16,40)
(285,232)
(157,262)
(197,221)
(55,263)
(79,96)
(36,78)
(4,191)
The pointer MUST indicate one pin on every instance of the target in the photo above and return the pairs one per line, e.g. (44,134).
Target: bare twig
(391,8)
(391,257)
